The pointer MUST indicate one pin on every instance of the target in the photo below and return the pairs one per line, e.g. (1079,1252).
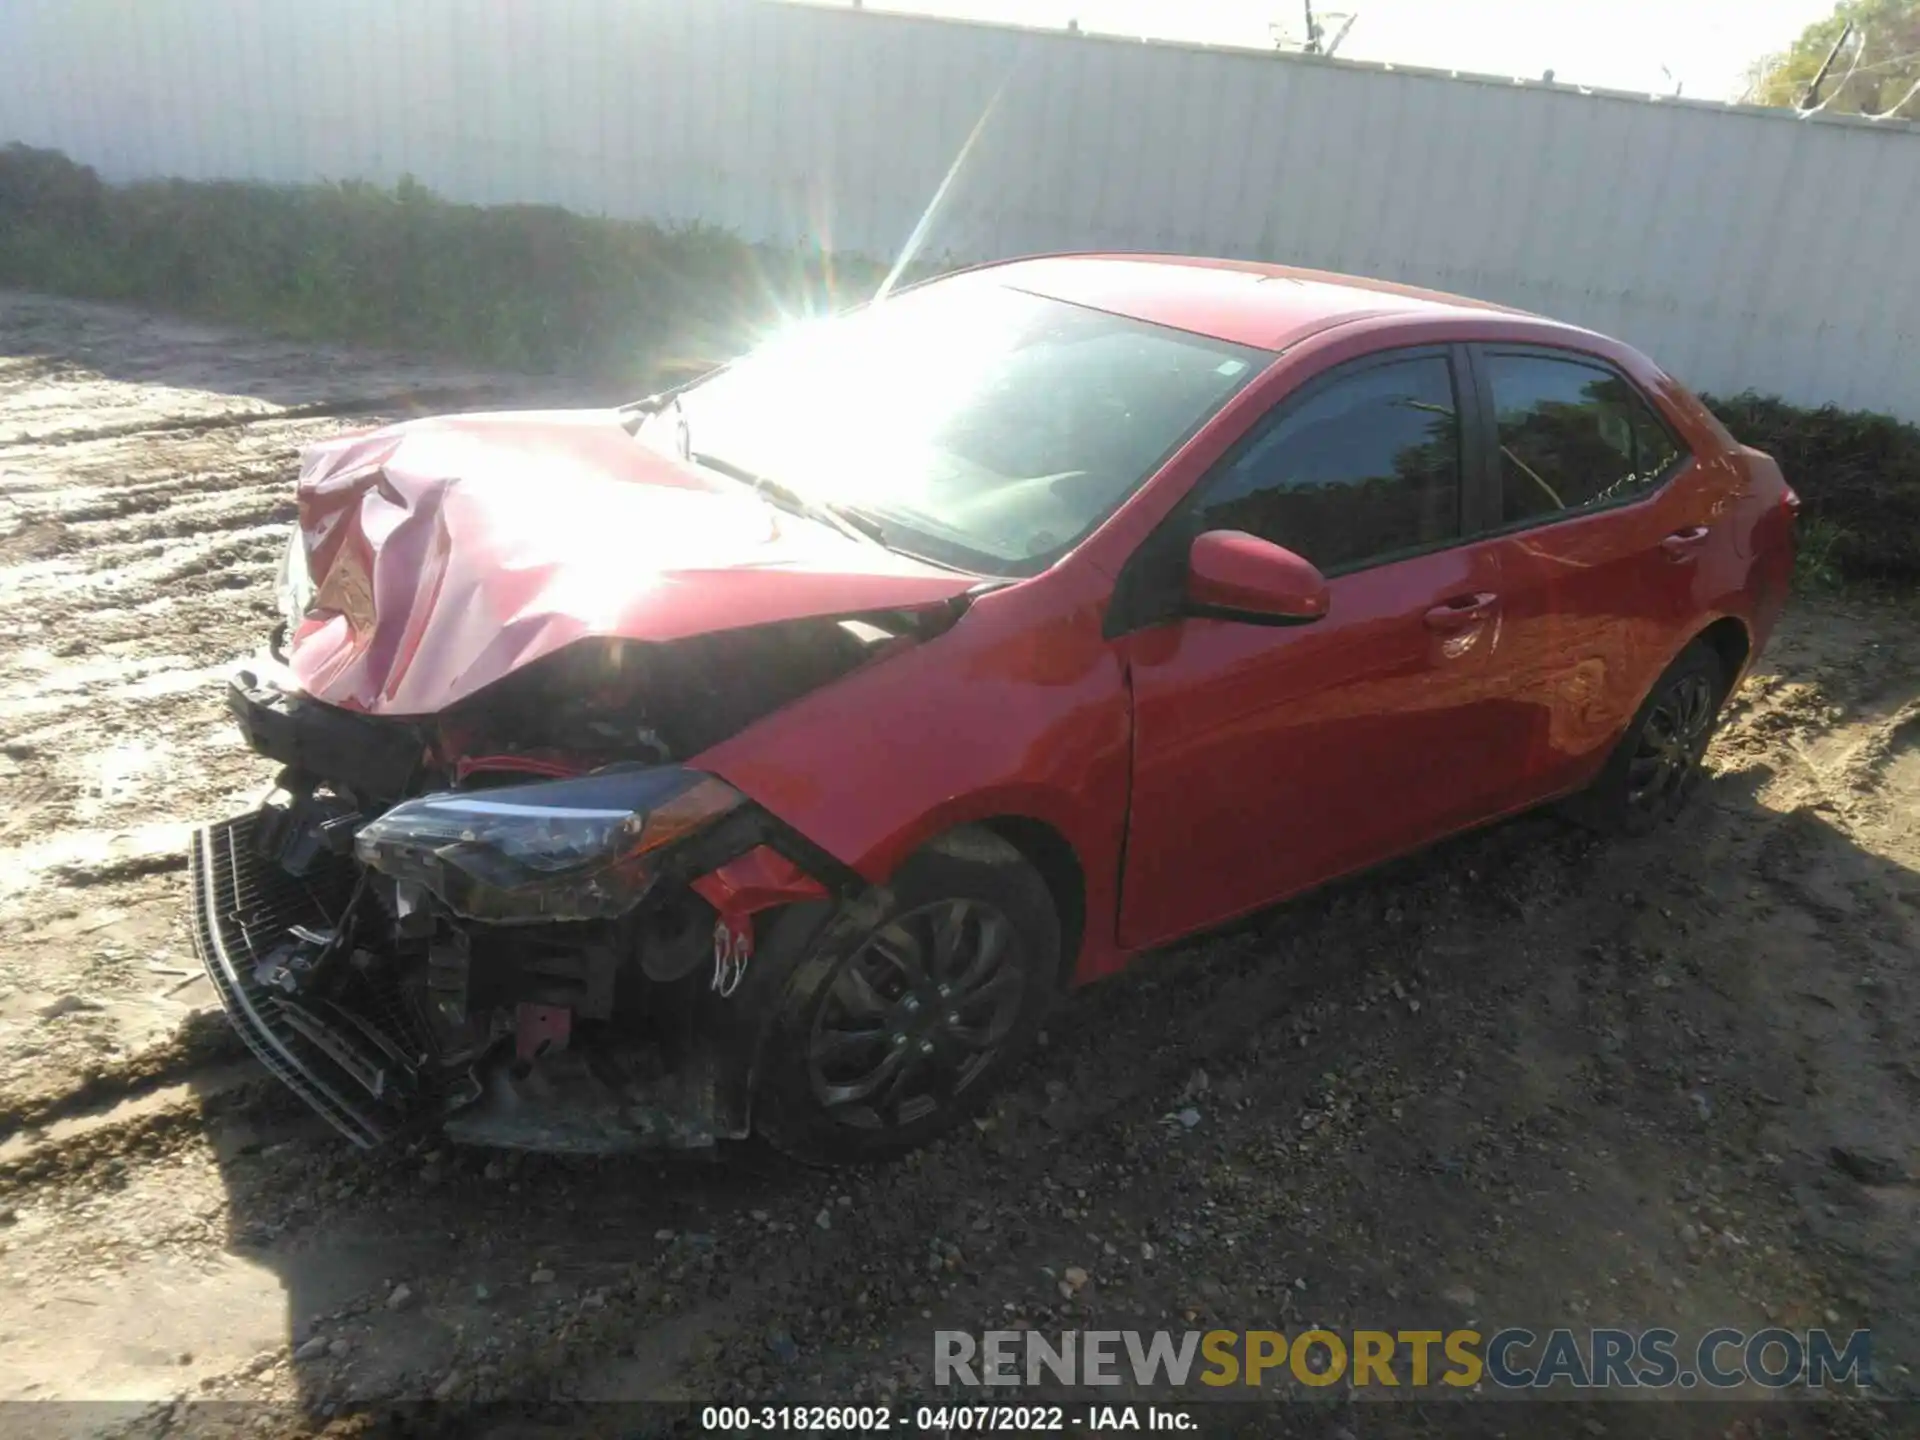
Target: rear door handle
(1684,544)
(1461,611)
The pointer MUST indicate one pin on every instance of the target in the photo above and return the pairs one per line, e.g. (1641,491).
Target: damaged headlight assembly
(293,588)
(580,849)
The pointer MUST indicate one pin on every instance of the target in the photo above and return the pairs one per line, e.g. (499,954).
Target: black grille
(242,906)
(378,998)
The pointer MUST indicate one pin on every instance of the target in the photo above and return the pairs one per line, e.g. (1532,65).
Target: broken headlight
(578,849)
(293,588)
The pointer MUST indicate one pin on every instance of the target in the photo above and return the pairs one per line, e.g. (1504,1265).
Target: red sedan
(770,754)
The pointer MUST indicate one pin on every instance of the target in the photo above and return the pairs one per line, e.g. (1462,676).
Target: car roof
(1243,301)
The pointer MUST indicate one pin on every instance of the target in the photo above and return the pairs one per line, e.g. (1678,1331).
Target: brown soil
(1526,1078)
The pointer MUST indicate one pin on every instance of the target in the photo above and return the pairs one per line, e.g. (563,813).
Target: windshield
(966,422)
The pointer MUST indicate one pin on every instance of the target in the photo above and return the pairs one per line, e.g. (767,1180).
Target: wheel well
(1048,851)
(1728,639)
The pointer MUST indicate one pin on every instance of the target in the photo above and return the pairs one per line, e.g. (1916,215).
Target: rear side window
(1362,469)
(1573,436)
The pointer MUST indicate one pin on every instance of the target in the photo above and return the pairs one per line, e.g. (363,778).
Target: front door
(1268,759)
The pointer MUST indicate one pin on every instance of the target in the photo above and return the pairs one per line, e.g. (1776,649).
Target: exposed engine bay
(603,702)
(521,920)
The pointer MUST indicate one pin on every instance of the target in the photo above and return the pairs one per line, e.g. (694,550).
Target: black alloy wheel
(1658,763)
(1671,744)
(915,1015)
(892,1017)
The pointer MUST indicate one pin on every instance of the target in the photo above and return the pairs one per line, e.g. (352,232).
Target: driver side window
(1365,468)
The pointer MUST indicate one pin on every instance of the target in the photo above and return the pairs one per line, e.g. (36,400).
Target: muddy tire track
(146,477)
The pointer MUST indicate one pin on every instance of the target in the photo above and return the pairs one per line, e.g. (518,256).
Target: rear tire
(895,1019)
(1654,770)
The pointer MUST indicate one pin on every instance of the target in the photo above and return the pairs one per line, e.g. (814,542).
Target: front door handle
(1684,544)
(1461,611)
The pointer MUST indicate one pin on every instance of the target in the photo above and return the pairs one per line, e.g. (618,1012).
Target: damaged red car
(771,754)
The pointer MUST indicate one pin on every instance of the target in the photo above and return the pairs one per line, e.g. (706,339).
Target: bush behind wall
(527,287)
(1857,472)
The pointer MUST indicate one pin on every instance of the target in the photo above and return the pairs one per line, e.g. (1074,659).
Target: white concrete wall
(1739,248)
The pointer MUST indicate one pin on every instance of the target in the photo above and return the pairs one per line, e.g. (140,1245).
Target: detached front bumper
(364,1056)
(243,904)
(390,1007)
(360,1043)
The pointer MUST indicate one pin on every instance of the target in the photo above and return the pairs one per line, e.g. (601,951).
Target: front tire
(1657,765)
(896,1018)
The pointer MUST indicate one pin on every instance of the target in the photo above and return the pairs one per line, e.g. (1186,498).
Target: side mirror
(1232,575)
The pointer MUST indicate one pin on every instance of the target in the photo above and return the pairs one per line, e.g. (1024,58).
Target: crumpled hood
(449,552)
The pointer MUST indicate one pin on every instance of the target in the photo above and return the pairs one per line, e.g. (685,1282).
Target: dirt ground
(1527,1078)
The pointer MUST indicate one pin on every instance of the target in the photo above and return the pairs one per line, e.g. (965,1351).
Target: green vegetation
(1875,72)
(1859,476)
(526,287)
(1813,567)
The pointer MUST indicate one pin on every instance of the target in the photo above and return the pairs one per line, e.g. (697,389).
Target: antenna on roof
(1341,33)
(1312,46)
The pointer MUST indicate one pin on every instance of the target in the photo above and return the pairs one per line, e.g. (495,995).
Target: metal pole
(1820,75)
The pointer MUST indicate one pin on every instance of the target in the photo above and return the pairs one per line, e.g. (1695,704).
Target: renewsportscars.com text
(1510,1359)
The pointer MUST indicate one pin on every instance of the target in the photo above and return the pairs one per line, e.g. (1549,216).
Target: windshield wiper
(854,524)
(636,413)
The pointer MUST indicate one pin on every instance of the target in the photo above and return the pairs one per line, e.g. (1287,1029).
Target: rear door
(1598,522)
(1269,758)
